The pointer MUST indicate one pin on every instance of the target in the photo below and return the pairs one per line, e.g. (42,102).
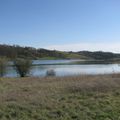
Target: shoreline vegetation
(85,97)
(85,62)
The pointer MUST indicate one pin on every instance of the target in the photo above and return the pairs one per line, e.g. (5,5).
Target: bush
(3,66)
(23,66)
(50,73)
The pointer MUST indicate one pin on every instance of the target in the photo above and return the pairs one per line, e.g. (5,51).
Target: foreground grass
(64,98)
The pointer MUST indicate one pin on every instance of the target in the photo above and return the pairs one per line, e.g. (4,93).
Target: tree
(23,66)
(3,66)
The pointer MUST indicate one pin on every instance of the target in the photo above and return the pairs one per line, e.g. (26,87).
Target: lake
(66,68)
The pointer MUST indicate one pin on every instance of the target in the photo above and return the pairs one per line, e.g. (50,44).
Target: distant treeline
(16,51)
(99,55)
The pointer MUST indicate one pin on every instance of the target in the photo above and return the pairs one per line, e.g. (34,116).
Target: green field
(60,98)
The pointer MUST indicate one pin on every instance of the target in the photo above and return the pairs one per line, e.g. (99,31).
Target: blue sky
(61,24)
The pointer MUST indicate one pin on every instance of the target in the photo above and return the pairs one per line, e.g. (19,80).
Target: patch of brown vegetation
(31,89)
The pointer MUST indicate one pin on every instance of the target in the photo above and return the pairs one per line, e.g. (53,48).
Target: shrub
(50,72)
(3,66)
(23,66)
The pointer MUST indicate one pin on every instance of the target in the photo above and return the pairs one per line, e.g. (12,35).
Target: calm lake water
(42,66)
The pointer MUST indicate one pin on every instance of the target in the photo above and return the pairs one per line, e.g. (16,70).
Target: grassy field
(60,98)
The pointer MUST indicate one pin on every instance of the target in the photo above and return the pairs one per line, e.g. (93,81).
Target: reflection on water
(67,70)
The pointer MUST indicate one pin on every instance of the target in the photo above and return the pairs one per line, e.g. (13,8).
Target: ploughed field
(85,97)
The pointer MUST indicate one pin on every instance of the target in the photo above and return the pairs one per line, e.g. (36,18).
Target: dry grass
(30,89)
(53,97)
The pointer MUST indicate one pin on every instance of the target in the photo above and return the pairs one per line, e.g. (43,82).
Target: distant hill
(33,53)
(99,55)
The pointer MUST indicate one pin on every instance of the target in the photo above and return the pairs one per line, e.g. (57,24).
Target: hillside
(33,53)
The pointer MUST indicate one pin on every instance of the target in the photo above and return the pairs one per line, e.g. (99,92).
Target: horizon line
(59,50)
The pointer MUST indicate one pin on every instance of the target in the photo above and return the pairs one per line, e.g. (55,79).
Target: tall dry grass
(29,89)
(85,97)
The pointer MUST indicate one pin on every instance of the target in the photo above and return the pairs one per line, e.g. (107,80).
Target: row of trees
(99,55)
(16,51)
(22,66)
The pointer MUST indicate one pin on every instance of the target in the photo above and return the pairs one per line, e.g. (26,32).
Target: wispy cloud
(110,47)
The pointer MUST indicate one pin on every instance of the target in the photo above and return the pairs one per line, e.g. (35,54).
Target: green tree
(23,66)
(3,66)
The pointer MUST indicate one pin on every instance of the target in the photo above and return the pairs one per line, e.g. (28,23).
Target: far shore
(76,62)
